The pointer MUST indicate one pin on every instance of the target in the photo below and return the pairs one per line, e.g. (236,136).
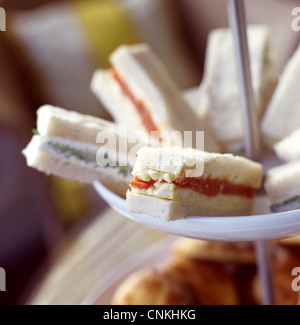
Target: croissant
(211,283)
(151,287)
(182,281)
(237,259)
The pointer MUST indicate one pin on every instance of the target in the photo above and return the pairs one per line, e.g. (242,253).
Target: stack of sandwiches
(142,97)
(139,91)
(282,116)
(281,132)
(165,182)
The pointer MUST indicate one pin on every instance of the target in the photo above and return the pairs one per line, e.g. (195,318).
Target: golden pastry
(242,252)
(151,287)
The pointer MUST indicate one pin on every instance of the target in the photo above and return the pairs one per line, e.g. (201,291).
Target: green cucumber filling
(292,204)
(88,157)
(35,132)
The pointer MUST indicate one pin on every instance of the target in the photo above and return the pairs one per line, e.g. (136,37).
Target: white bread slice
(288,148)
(178,162)
(86,130)
(219,89)
(282,116)
(59,122)
(282,183)
(168,210)
(165,200)
(151,83)
(192,96)
(119,106)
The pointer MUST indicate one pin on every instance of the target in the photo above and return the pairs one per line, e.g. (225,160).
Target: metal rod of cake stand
(237,20)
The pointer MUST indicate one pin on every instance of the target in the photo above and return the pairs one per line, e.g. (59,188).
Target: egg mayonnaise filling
(169,186)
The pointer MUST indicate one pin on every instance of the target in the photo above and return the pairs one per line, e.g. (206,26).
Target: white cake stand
(259,228)
(262,225)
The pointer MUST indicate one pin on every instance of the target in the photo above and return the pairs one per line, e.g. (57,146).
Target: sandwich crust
(283,182)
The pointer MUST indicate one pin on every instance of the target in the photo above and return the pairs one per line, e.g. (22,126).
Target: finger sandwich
(282,116)
(282,185)
(138,90)
(219,89)
(171,183)
(82,148)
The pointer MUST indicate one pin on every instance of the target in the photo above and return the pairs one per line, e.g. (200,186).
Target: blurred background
(48,54)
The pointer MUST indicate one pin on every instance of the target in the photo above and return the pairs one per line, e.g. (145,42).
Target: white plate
(147,258)
(262,225)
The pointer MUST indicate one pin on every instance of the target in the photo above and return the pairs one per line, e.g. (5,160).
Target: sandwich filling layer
(189,196)
(87,156)
(210,187)
(167,173)
(141,109)
(282,186)
(291,204)
(171,183)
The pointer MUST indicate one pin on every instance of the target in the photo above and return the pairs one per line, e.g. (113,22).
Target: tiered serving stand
(261,226)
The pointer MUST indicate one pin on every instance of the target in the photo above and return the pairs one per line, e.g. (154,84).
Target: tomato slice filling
(208,186)
(138,104)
